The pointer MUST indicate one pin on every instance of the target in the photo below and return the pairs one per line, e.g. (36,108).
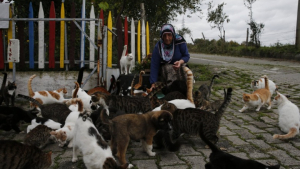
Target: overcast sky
(278,16)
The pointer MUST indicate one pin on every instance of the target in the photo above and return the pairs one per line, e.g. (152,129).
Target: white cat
(289,118)
(95,151)
(66,133)
(260,84)
(179,103)
(47,122)
(126,62)
(85,98)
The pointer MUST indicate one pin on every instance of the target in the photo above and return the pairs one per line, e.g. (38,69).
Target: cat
(47,122)
(66,133)
(15,115)
(38,137)
(289,118)
(113,84)
(17,155)
(85,98)
(203,92)
(95,151)
(138,89)
(8,92)
(179,103)
(134,104)
(221,160)
(189,120)
(47,97)
(125,62)
(258,98)
(56,111)
(259,84)
(211,105)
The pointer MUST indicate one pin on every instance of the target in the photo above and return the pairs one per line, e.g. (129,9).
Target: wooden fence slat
(72,37)
(120,39)
(9,35)
(21,37)
(92,37)
(62,36)
(147,39)
(126,34)
(41,64)
(132,39)
(52,36)
(109,41)
(82,37)
(139,42)
(31,37)
(1,51)
(143,40)
(101,16)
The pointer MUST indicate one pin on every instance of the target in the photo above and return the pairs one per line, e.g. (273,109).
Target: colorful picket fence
(141,48)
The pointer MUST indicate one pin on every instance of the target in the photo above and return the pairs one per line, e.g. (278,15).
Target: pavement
(247,135)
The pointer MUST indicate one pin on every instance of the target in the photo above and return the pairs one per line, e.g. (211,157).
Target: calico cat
(95,151)
(18,156)
(258,98)
(47,122)
(38,137)
(7,92)
(47,97)
(56,111)
(289,118)
(125,62)
(189,120)
(15,115)
(260,84)
(203,92)
(221,160)
(135,104)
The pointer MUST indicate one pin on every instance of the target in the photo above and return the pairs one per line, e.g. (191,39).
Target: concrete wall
(49,80)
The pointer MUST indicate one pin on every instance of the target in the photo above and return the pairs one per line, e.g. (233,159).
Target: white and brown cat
(260,84)
(47,97)
(258,98)
(289,118)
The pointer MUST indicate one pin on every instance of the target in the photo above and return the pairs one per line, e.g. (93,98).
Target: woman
(171,49)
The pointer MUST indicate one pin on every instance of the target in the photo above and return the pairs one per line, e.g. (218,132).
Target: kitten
(221,160)
(7,92)
(189,120)
(125,62)
(203,92)
(66,133)
(57,111)
(127,104)
(16,115)
(18,155)
(258,98)
(47,122)
(95,151)
(38,137)
(47,97)
(259,84)
(289,118)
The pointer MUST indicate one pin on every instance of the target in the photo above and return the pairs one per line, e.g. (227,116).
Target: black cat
(7,92)
(221,160)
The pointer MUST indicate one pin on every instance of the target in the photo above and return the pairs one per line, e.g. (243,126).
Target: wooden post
(203,36)
(247,36)
(297,41)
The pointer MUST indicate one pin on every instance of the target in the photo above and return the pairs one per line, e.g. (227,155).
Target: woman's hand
(177,64)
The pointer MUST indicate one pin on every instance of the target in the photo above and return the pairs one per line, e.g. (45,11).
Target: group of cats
(86,121)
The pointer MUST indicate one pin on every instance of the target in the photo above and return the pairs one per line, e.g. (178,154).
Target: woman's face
(167,38)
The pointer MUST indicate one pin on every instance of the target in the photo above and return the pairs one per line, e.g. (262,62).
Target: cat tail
(30,99)
(211,84)
(266,82)
(292,133)
(159,86)
(80,76)
(168,143)
(137,86)
(104,116)
(124,50)
(112,83)
(213,147)
(30,92)
(77,101)
(74,95)
(131,86)
(222,108)
(189,83)
(4,80)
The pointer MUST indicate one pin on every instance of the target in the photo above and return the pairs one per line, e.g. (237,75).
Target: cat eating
(289,118)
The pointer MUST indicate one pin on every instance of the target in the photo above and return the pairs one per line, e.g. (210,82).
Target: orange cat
(258,98)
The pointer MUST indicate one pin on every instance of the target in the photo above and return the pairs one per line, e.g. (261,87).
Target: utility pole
(297,41)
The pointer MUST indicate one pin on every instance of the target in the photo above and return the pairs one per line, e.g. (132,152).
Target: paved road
(247,135)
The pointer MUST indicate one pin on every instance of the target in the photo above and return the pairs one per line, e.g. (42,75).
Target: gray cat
(39,136)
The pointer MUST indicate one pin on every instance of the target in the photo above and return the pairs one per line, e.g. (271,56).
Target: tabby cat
(15,155)
(203,92)
(135,104)
(211,105)
(189,120)
(8,92)
(56,111)
(38,137)
(221,160)
(138,89)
